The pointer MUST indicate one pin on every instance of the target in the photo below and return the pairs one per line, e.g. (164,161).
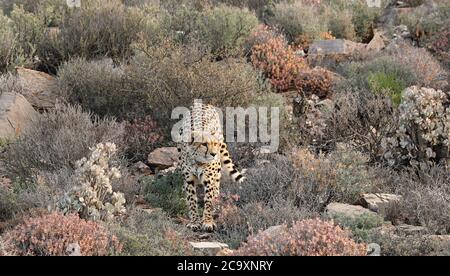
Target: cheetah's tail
(228,163)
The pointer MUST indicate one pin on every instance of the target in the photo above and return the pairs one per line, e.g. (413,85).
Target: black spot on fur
(227,162)
(238,177)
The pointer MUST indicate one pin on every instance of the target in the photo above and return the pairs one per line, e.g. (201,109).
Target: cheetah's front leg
(211,193)
(192,201)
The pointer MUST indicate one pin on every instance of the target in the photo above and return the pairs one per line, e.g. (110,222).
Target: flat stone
(163,158)
(408,230)
(209,248)
(379,202)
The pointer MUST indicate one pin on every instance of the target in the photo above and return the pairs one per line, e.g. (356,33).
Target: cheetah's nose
(213,154)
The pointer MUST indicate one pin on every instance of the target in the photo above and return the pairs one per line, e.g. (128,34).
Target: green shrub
(298,19)
(173,76)
(386,83)
(377,74)
(364,19)
(153,234)
(8,45)
(72,132)
(100,28)
(100,87)
(341,26)
(166,192)
(360,226)
(224,29)
(9,205)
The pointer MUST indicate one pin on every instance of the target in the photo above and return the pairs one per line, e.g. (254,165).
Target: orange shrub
(311,237)
(51,235)
(317,81)
(278,61)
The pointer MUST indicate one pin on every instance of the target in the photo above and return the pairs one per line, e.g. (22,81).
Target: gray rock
(334,47)
(373,249)
(208,248)
(16,114)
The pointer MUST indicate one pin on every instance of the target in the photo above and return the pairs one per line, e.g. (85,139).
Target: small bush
(278,62)
(173,76)
(386,83)
(9,204)
(317,81)
(361,118)
(341,177)
(425,193)
(305,238)
(360,226)
(9,44)
(98,29)
(237,221)
(51,235)
(297,19)
(426,69)
(379,73)
(153,234)
(100,87)
(72,132)
(423,128)
(141,136)
(167,193)
(93,196)
(224,29)
(340,25)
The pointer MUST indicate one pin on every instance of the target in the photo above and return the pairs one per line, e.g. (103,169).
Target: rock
(73,249)
(373,3)
(141,168)
(373,249)
(15,115)
(377,43)
(163,158)
(39,88)
(334,47)
(330,53)
(209,248)
(409,230)
(346,210)
(379,202)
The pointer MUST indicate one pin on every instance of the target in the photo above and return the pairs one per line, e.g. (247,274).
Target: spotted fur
(201,162)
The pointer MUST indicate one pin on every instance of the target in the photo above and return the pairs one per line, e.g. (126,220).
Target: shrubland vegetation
(377,122)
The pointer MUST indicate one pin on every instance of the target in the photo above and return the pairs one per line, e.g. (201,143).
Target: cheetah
(201,162)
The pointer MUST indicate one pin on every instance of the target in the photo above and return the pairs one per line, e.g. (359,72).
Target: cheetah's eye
(205,144)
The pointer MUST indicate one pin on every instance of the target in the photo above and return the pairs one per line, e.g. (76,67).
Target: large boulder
(346,210)
(15,115)
(329,53)
(39,88)
(163,158)
(334,47)
(379,202)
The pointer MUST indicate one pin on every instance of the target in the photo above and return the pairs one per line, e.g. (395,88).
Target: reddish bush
(53,234)
(317,81)
(278,61)
(141,137)
(311,237)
